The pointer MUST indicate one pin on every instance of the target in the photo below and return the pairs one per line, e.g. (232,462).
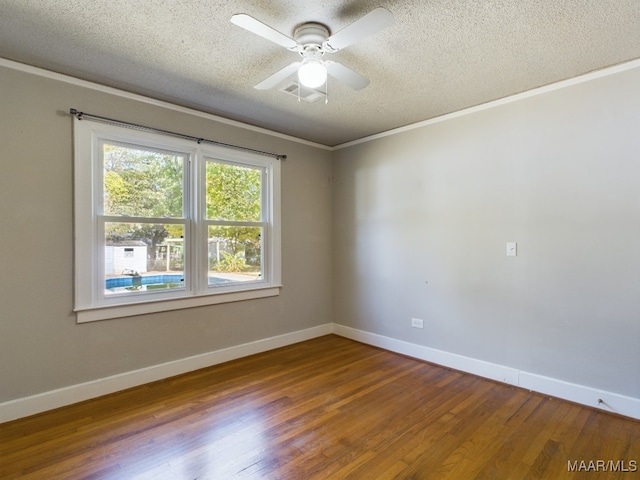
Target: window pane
(233,192)
(142,183)
(235,254)
(142,257)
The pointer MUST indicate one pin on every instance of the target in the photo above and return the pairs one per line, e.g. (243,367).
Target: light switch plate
(512,249)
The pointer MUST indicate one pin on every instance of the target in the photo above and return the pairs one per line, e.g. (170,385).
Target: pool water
(130,280)
(151,282)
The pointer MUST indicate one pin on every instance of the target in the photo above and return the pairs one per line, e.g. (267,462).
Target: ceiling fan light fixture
(312,74)
(312,40)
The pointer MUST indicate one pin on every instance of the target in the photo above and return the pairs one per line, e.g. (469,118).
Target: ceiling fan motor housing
(311,34)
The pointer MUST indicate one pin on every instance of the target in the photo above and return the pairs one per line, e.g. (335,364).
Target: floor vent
(306,94)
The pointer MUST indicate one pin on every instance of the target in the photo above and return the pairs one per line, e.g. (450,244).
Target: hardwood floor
(328,408)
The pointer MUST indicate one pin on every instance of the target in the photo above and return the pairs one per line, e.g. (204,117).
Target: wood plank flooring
(328,408)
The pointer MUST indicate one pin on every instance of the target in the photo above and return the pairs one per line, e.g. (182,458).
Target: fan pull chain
(326,92)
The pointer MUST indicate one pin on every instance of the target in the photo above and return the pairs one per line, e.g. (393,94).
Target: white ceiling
(440,56)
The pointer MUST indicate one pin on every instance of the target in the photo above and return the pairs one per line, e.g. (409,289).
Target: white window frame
(91,303)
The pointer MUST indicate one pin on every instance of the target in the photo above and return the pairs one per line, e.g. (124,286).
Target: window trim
(90,304)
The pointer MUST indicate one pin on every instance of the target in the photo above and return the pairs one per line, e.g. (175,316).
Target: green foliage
(231,263)
(147,232)
(237,239)
(141,183)
(233,192)
(146,183)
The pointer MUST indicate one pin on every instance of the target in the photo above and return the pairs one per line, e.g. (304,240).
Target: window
(164,223)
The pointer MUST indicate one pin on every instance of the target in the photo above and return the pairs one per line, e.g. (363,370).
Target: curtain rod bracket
(76,113)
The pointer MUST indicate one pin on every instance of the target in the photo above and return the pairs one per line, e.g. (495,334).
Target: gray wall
(41,346)
(421,221)
(558,173)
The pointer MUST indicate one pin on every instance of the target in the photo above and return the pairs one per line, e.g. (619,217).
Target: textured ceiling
(440,56)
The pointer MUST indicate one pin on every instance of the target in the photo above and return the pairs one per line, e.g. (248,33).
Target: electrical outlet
(417,323)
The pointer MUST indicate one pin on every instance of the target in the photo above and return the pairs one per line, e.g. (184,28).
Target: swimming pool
(151,282)
(130,280)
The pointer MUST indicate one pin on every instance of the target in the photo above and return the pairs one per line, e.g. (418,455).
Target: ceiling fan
(312,40)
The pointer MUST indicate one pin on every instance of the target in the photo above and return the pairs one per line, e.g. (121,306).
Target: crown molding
(587,77)
(150,101)
(596,74)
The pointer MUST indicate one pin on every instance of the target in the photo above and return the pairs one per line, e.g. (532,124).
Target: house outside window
(164,223)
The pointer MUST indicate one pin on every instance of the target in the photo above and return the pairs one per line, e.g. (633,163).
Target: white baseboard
(592,397)
(608,401)
(31,405)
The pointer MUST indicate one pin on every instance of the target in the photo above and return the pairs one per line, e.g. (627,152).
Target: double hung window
(164,223)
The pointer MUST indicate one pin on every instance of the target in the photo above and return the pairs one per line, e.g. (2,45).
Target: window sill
(142,308)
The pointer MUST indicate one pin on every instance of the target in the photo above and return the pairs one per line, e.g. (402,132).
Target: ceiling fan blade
(346,75)
(278,77)
(372,22)
(265,31)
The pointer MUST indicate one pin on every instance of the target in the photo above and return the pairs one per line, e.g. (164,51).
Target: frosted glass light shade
(312,74)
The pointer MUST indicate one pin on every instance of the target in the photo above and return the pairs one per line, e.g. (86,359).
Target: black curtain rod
(80,115)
